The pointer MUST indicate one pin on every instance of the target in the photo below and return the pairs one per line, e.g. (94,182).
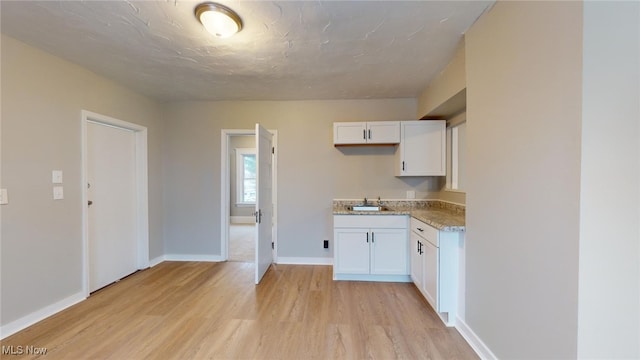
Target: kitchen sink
(368,208)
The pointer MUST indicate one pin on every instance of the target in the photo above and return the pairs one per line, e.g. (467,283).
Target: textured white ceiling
(288,50)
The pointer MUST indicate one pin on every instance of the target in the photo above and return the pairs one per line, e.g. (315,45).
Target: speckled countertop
(441,215)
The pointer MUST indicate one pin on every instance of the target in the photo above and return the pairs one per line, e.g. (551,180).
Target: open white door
(264,201)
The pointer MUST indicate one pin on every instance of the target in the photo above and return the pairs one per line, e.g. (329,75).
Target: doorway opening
(238,220)
(115,239)
(242,242)
(242,195)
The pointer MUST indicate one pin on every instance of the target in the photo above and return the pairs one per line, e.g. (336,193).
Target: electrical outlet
(326,244)
(411,194)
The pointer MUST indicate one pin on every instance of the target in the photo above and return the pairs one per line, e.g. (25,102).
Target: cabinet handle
(403,166)
(372,236)
(364,134)
(420,229)
(367,237)
(418,244)
(421,252)
(369,134)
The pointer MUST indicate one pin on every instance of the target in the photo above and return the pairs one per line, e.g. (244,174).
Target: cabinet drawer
(425,231)
(370,221)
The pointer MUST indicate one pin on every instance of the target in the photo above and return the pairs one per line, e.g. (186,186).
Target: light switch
(58,193)
(4,198)
(56,176)
(411,194)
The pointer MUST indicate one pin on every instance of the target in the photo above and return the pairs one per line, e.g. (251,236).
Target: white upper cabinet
(349,133)
(378,132)
(383,132)
(422,150)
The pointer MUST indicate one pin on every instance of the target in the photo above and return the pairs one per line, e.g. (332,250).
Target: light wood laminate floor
(189,310)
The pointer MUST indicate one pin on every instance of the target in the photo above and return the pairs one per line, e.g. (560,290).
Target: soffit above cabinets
(448,109)
(287,50)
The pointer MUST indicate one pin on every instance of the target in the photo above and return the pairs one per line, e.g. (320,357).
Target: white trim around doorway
(225,189)
(142,190)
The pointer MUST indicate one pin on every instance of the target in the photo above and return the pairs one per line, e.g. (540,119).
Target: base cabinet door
(352,251)
(388,252)
(370,248)
(435,269)
(415,246)
(430,274)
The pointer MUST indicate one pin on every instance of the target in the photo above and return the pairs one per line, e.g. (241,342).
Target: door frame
(142,190)
(225,189)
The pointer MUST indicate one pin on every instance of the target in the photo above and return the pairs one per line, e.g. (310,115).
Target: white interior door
(264,201)
(112,215)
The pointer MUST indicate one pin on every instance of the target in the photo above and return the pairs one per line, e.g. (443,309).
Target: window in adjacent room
(246,176)
(456,162)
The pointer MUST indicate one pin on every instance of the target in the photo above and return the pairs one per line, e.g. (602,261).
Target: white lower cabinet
(370,248)
(388,251)
(351,251)
(416,244)
(435,267)
(430,283)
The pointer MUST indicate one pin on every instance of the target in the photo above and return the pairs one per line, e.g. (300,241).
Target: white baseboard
(39,315)
(474,341)
(242,219)
(217,258)
(189,257)
(304,261)
(156,261)
(375,278)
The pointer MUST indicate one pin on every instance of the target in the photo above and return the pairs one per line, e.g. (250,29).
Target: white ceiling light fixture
(218,19)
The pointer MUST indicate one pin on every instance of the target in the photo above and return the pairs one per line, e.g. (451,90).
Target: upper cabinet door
(383,132)
(422,150)
(346,133)
(378,132)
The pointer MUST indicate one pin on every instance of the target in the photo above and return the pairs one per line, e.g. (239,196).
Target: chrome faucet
(366,202)
(379,201)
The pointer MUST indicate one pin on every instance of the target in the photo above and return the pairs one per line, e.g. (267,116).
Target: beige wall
(450,81)
(311,171)
(42,97)
(523,66)
(609,296)
(458,197)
